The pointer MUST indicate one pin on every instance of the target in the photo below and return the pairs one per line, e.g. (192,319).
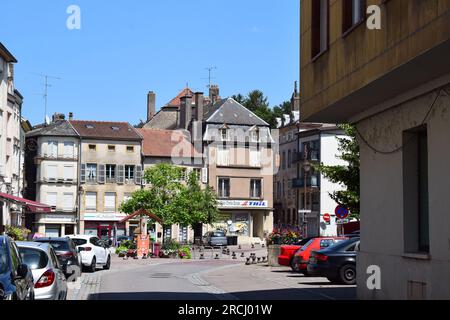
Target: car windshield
(34,258)
(58,245)
(219,234)
(307,245)
(3,258)
(79,242)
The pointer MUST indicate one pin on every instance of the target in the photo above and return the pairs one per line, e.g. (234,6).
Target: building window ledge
(417,256)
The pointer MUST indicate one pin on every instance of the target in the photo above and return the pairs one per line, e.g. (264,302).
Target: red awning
(32,206)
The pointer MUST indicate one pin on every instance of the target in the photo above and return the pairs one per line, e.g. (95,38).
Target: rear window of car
(3,259)
(79,242)
(34,258)
(58,245)
(219,234)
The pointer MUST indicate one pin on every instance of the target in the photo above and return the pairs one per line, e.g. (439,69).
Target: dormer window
(254,135)
(224,134)
(115,128)
(90,126)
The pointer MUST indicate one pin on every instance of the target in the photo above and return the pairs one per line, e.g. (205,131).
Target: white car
(94,253)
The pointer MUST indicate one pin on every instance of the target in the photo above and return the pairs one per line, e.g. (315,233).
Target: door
(104,232)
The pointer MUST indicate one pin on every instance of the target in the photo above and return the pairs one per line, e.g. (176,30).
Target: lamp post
(306,168)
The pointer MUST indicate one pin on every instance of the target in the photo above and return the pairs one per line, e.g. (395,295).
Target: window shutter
(138,175)
(101,173)
(83,173)
(91,200)
(120,174)
(204,175)
(110,201)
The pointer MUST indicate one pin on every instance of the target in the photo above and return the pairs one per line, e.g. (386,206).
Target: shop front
(55,224)
(248,220)
(105,225)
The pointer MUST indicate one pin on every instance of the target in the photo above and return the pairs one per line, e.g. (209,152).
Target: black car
(16,278)
(67,253)
(337,263)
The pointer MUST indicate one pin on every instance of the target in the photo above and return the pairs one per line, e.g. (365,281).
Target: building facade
(11,142)
(52,156)
(110,171)
(394,85)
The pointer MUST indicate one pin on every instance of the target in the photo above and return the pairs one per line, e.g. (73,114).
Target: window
(68,202)
(289,162)
(224,134)
(52,149)
(95,241)
(224,188)
(111,148)
(129,173)
(68,173)
(223,156)
(92,147)
(325,243)
(130,149)
(320,27)
(126,196)
(91,172)
(198,172)
(51,172)
(255,188)
(255,157)
(283,160)
(110,173)
(110,201)
(353,12)
(254,135)
(69,149)
(415,190)
(91,200)
(51,199)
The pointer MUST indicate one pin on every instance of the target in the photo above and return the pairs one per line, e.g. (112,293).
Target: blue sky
(127,48)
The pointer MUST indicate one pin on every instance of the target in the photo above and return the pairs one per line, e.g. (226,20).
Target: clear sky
(127,48)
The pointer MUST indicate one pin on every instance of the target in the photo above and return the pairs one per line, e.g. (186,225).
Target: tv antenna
(47,85)
(210,69)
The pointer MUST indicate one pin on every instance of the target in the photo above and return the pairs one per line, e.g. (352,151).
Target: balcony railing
(311,182)
(311,155)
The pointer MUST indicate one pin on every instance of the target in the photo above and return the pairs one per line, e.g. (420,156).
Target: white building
(11,157)
(52,176)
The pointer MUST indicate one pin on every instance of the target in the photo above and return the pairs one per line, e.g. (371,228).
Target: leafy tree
(239,98)
(347,175)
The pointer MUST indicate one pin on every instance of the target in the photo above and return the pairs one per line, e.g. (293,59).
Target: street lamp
(306,168)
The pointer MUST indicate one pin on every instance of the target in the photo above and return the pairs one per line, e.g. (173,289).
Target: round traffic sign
(326,217)
(341,212)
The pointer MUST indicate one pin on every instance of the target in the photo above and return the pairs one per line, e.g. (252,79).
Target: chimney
(199,101)
(58,116)
(70,115)
(151,105)
(214,93)
(185,112)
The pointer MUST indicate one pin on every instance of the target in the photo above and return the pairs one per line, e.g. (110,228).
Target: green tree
(346,175)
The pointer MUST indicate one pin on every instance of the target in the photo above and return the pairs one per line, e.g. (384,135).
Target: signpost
(327,218)
(341,216)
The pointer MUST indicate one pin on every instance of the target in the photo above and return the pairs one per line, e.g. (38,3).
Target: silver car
(49,280)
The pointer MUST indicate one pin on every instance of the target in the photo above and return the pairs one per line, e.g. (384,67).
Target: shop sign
(59,218)
(104,216)
(243,204)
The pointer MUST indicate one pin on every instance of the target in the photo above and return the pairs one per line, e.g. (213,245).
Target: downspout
(78,213)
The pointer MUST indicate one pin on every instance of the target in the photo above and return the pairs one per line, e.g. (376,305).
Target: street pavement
(203,279)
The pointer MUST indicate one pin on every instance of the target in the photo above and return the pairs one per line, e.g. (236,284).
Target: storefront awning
(32,206)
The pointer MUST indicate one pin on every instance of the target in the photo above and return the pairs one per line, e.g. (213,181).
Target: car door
(98,249)
(59,273)
(20,283)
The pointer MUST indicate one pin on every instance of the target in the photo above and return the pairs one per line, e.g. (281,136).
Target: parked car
(16,278)
(215,238)
(336,263)
(286,257)
(49,279)
(94,253)
(67,254)
(301,257)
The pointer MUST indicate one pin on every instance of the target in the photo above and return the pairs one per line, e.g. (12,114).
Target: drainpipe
(78,213)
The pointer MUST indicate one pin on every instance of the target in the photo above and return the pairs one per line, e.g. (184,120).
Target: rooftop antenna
(210,69)
(45,94)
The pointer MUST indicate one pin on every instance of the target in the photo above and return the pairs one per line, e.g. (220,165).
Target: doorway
(104,232)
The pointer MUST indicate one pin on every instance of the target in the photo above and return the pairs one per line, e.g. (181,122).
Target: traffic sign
(342,221)
(327,217)
(341,212)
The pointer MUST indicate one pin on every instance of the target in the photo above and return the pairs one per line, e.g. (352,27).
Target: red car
(287,252)
(301,257)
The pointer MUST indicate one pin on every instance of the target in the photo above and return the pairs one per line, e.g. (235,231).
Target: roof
(166,118)
(32,206)
(105,130)
(60,128)
(5,54)
(177,100)
(166,143)
(34,244)
(230,111)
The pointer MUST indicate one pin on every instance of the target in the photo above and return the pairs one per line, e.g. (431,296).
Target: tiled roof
(166,143)
(166,118)
(230,111)
(177,100)
(61,128)
(105,130)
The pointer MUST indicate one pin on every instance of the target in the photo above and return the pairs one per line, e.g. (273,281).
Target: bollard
(248,261)
(254,259)
(234,255)
(202,256)
(239,247)
(242,255)
(259,260)
(253,246)
(263,245)
(217,256)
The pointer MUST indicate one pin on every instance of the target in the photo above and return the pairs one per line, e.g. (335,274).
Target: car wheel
(93,265)
(347,274)
(293,266)
(108,264)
